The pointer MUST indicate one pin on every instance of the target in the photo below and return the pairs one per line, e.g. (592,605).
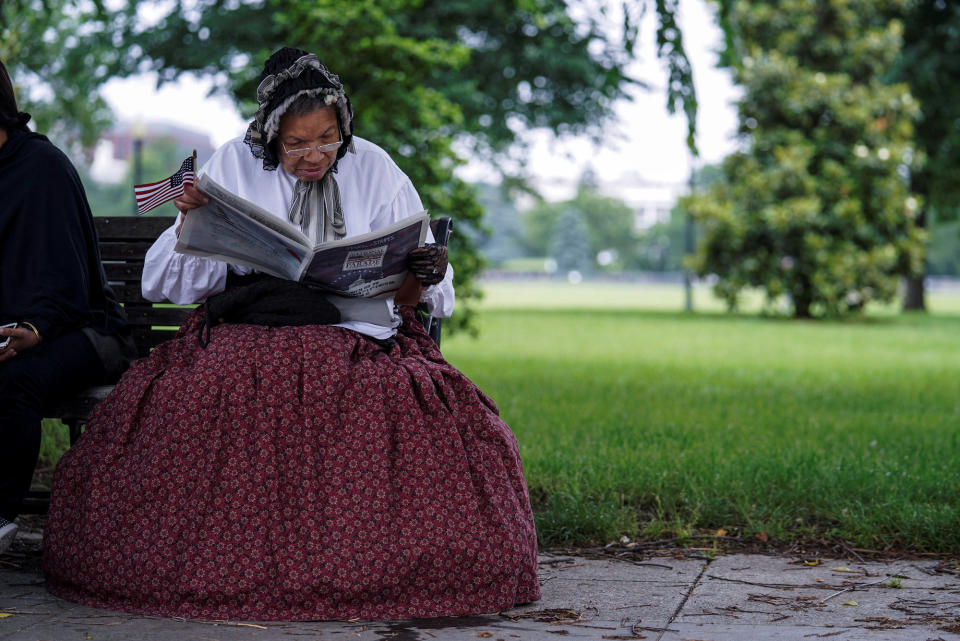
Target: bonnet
(287,75)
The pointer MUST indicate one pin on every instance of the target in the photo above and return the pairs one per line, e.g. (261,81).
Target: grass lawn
(634,419)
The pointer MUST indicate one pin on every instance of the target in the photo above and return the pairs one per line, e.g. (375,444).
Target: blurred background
(793,157)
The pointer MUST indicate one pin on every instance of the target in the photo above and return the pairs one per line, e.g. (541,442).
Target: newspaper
(234,230)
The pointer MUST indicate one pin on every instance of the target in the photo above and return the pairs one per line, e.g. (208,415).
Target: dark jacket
(50,271)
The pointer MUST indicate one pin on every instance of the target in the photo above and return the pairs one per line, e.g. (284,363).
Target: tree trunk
(802,300)
(913,299)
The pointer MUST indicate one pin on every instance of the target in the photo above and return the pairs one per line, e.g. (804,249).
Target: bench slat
(129,294)
(131,227)
(124,272)
(133,250)
(168,316)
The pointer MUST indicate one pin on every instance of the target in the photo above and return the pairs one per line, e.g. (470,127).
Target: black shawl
(50,272)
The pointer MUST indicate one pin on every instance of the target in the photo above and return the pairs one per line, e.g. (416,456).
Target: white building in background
(651,200)
(111,156)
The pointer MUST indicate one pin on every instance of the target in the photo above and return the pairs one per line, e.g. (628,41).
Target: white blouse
(374,193)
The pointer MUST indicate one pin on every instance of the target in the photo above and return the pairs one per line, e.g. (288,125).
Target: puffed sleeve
(180,278)
(439,299)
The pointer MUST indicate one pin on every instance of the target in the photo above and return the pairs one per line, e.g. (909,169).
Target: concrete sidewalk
(734,597)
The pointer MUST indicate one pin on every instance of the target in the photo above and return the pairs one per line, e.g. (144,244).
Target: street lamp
(138,131)
(688,241)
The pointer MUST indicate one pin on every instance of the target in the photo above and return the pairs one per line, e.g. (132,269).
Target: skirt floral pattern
(293,473)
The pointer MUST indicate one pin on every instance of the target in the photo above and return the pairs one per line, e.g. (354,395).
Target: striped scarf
(317,209)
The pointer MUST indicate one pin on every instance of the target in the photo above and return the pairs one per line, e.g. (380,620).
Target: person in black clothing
(70,331)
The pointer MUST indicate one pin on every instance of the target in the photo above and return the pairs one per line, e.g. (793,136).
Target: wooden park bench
(124,242)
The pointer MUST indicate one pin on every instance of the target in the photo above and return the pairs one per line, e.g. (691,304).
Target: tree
(608,224)
(502,237)
(58,53)
(930,64)
(539,224)
(421,73)
(664,245)
(660,247)
(160,156)
(943,250)
(817,207)
(570,247)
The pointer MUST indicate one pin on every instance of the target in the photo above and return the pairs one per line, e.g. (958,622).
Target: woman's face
(308,131)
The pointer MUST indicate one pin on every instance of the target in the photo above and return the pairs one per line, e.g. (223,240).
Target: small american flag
(155,194)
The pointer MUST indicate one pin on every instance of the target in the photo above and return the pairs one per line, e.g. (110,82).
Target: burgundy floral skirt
(297,473)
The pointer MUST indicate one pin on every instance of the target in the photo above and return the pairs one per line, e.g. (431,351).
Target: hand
(428,263)
(191,199)
(409,292)
(21,339)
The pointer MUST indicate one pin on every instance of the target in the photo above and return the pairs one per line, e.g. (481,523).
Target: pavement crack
(686,597)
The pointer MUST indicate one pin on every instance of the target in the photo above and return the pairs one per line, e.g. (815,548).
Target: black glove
(428,263)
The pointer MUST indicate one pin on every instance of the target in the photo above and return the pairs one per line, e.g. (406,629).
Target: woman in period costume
(325,469)
(63,329)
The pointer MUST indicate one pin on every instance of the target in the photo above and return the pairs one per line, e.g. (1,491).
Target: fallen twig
(853,588)
(711,614)
(849,549)
(762,585)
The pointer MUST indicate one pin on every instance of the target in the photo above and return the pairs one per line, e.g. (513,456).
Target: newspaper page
(371,265)
(217,192)
(234,230)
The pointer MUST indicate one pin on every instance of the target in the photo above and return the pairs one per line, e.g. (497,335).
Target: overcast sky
(647,145)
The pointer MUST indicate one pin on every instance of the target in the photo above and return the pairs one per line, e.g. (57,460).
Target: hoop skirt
(293,473)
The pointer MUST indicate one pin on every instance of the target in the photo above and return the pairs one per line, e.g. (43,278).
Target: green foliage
(161,156)
(607,225)
(570,247)
(539,224)
(422,73)
(930,64)
(676,423)
(680,89)
(610,224)
(54,442)
(62,51)
(663,246)
(943,250)
(502,237)
(531,65)
(817,207)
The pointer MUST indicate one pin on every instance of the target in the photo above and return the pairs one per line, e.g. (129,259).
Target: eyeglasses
(304,151)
